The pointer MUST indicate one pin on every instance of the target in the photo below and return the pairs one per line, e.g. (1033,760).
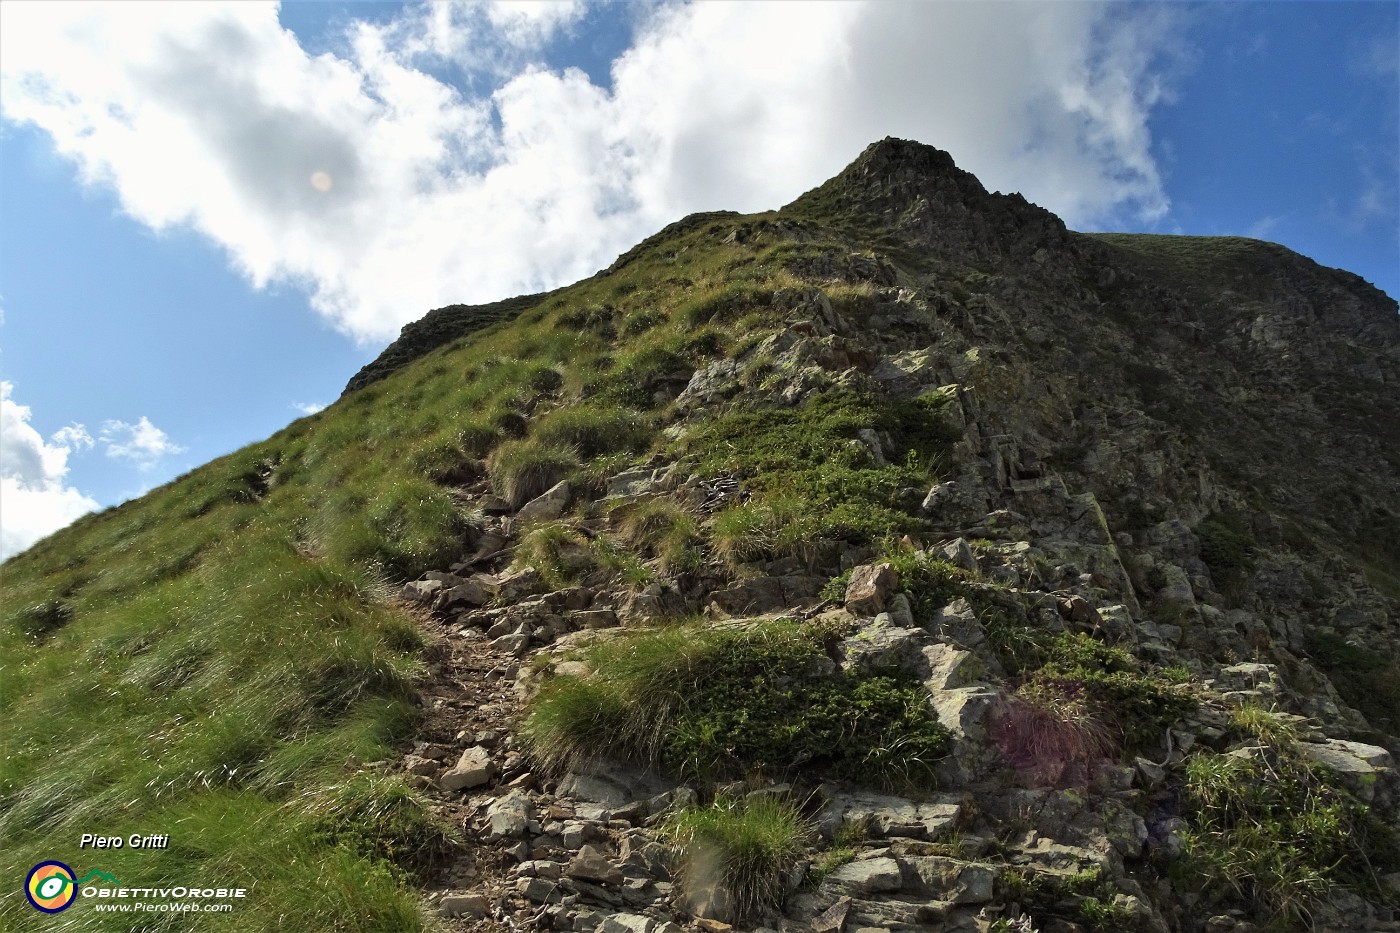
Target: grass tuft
(524,469)
(739,851)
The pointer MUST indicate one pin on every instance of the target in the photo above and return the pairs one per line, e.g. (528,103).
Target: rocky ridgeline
(1073,503)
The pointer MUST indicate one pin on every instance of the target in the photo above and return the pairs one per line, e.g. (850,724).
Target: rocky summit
(898,560)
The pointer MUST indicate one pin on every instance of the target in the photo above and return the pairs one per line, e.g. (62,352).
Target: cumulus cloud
(385,188)
(142,443)
(35,498)
(308,408)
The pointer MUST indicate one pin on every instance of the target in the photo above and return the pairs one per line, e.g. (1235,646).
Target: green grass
(715,703)
(524,469)
(557,551)
(215,658)
(1273,833)
(810,477)
(662,531)
(744,846)
(592,430)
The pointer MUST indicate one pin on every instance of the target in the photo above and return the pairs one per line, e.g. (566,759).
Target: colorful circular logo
(50,887)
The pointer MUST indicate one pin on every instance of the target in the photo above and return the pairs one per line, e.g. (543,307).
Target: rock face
(1166,453)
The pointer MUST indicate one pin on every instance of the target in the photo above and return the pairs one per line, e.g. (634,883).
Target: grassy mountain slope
(220,659)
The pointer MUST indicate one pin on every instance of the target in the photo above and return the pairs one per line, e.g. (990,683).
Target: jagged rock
(549,505)
(949,880)
(613,785)
(964,710)
(515,644)
(539,891)
(957,622)
(870,589)
(473,769)
(833,918)
(1356,764)
(469,906)
(591,865)
(628,923)
(634,482)
(509,816)
(1078,609)
(709,386)
(594,618)
(519,584)
(421,591)
(959,554)
(540,868)
(949,668)
(900,611)
(890,816)
(882,646)
(424,767)
(477,590)
(866,876)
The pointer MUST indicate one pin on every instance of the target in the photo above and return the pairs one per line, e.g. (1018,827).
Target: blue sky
(212,215)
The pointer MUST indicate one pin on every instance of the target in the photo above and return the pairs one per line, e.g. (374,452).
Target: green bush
(1271,832)
(1367,681)
(523,469)
(1225,547)
(844,493)
(929,583)
(1138,704)
(745,847)
(730,702)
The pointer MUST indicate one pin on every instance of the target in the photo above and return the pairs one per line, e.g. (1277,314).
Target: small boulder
(959,554)
(866,876)
(627,923)
(594,618)
(473,769)
(477,590)
(591,865)
(510,815)
(870,589)
(470,906)
(548,506)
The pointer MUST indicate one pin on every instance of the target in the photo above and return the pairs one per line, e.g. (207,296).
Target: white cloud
(384,191)
(1263,227)
(35,499)
(308,408)
(142,443)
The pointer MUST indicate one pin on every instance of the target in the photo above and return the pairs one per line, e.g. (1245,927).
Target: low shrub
(739,851)
(1269,830)
(1136,703)
(715,703)
(1053,733)
(781,525)
(1225,547)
